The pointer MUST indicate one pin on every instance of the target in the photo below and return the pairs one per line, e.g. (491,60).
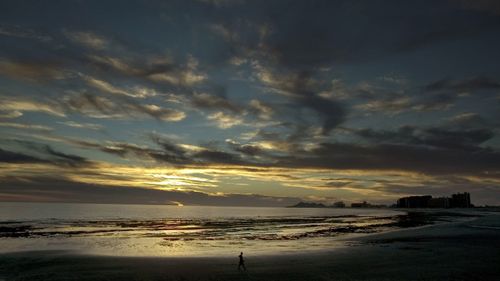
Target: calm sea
(152,230)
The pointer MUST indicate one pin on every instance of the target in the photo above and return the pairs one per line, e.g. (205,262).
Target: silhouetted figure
(242,262)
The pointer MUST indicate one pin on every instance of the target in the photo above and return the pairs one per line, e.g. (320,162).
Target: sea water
(155,230)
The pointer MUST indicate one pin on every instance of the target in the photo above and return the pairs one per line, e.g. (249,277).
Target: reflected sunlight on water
(146,230)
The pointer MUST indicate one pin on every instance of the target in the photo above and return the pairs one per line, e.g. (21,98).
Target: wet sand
(467,250)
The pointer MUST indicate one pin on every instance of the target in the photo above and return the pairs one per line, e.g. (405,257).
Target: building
(414,202)
(364,204)
(339,204)
(460,200)
(440,202)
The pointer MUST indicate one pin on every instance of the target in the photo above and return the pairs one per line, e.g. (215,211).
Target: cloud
(442,94)
(41,153)
(164,114)
(15,105)
(20,32)
(167,152)
(469,120)
(16,157)
(434,102)
(25,126)
(463,85)
(31,71)
(92,106)
(228,113)
(370,168)
(222,3)
(178,79)
(249,149)
(114,63)
(433,151)
(90,126)
(137,92)
(11,114)
(361,33)
(214,102)
(224,32)
(218,157)
(372,98)
(283,75)
(161,70)
(61,189)
(304,90)
(393,105)
(439,137)
(487,6)
(261,109)
(224,120)
(63,158)
(88,39)
(100,107)
(396,157)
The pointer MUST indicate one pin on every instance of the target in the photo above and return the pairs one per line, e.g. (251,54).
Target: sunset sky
(260,103)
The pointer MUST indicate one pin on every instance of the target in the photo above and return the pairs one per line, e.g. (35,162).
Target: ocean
(154,230)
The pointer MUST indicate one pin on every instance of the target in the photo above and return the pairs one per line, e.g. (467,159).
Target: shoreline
(307,242)
(444,251)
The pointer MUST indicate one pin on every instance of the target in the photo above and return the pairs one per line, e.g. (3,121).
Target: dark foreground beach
(466,250)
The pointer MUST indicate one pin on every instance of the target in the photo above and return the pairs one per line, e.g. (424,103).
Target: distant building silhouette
(364,204)
(414,202)
(339,204)
(458,200)
(441,202)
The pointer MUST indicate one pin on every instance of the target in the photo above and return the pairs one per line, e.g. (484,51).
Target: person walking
(242,262)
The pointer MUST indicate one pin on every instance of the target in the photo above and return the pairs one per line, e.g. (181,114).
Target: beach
(457,250)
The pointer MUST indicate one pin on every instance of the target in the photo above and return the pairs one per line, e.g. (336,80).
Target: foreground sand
(454,251)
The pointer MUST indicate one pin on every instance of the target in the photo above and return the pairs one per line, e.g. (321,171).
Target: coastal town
(457,200)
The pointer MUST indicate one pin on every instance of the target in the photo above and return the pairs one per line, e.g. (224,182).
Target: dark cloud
(435,151)
(218,157)
(168,153)
(72,160)
(64,190)
(438,95)
(41,153)
(471,120)
(249,149)
(269,66)
(16,157)
(464,139)
(262,110)
(442,94)
(396,157)
(463,85)
(345,31)
(373,97)
(373,32)
(486,6)
(214,102)
(160,71)
(303,89)
(34,71)
(25,33)
(434,102)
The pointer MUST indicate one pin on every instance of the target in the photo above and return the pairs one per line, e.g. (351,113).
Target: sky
(249,103)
